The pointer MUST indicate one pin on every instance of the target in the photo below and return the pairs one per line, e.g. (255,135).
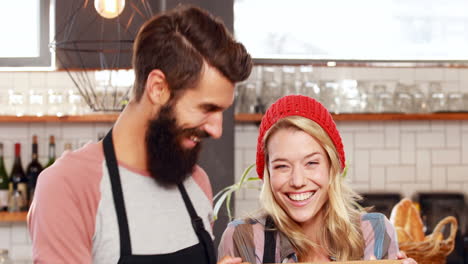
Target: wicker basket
(434,249)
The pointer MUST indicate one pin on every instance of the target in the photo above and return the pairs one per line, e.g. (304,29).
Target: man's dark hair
(178,42)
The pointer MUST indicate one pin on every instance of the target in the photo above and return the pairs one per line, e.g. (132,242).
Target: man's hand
(406,260)
(231,260)
(401,255)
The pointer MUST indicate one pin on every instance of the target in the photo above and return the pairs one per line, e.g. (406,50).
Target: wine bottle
(67,147)
(18,178)
(101,135)
(33,170)
(51,151)
(4,182)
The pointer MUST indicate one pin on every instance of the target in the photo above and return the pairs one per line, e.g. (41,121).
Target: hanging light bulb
(109,8)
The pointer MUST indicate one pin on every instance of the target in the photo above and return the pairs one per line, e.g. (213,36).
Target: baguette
(407,221)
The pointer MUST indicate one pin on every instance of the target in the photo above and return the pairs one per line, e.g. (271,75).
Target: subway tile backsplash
(401,156)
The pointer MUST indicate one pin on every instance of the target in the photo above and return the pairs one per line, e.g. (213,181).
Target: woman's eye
(310,163)
(276,167)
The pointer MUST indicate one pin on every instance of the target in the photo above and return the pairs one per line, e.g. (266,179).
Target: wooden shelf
(91,118)
(256,118)
(248,118)
(239,118)
(13,217)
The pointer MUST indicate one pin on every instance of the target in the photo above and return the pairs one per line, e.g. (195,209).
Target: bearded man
(138,196)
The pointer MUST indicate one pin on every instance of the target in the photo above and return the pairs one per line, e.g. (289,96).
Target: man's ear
(157,89)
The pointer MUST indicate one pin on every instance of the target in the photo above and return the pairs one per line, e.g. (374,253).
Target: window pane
(19,28)
(353,30)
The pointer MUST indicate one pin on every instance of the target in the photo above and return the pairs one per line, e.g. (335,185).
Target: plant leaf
(222,191)
(245,173)
(219,203)
(226,193)
(228,206)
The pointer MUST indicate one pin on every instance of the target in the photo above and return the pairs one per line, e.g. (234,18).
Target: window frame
(358,62)
(45,58)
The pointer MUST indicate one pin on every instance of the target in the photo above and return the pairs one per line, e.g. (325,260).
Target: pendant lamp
(93,44)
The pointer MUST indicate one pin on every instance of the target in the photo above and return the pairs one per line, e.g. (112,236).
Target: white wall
(14,237)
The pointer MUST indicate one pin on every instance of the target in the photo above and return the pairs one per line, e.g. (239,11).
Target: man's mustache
(196,132)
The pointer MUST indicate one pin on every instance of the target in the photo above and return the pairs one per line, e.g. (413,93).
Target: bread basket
(435,248)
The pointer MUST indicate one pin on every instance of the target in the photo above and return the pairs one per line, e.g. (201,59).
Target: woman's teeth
(300,196)
(195,139)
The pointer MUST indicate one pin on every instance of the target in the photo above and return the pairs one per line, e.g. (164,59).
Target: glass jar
(436,97)
(308,86)
(55,103)
(384,99)
(246,101)
(350,97)
(16,103)
(271,89)
(403,98)
(15,202)
(35,103)
(455,102)
(4,258)
(290,81)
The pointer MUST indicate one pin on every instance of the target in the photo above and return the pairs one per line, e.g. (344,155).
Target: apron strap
(113,169)
(197,224)
(269,251)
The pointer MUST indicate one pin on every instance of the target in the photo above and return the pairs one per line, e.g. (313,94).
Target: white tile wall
(376,180)
(423,165)
(403,156)
(369,139)
(361,165)
(408,154)
(14,238)
(392,134)
(5,235)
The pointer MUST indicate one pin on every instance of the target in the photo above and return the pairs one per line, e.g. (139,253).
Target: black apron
(269,246)
(202,252)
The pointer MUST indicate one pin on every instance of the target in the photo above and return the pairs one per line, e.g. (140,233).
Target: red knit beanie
(298,105)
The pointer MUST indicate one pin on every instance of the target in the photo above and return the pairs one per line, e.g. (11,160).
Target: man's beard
(167,161)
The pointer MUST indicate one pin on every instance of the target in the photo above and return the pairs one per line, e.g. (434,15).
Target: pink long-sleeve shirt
(73,220)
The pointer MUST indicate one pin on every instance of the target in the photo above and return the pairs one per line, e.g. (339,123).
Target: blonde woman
(309,213)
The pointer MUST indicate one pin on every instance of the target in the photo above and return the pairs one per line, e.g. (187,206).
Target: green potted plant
(225,194)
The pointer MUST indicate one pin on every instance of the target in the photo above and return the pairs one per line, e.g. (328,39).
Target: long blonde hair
(341,235)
